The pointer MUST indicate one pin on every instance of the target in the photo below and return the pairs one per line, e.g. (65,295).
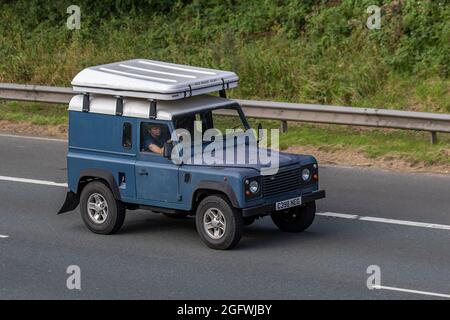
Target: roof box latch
(190,92)
(152,114)
(86,102)
(119,105)
(223,93)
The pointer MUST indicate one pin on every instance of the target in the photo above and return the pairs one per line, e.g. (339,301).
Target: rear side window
(127,134)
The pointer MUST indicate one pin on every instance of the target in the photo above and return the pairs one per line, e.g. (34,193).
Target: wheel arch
(88,175)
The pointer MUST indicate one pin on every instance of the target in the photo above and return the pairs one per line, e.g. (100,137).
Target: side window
(186,122)
(153,137)
(127,135)
(227,118)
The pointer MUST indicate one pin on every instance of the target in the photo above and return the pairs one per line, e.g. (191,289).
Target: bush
(309,51)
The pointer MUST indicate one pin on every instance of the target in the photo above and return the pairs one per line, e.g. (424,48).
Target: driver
(154,141)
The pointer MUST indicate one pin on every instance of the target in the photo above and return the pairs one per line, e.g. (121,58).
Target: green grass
(411,146)
(34,113)
(295,51)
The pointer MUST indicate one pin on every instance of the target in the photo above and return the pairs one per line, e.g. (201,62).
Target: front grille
(283,181)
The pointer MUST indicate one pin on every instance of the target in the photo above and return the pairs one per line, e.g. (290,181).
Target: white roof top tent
(150,79)
(130,82)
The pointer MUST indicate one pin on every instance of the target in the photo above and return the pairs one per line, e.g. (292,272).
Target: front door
(156,176)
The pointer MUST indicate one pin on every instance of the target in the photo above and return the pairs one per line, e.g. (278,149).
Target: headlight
(254,186)
(306,174)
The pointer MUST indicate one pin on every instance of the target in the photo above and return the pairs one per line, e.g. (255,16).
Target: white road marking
(31,138)
(33,181)
(385,220)
(3,236)
(425,293)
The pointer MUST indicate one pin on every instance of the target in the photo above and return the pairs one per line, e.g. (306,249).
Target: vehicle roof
(141,78)
(140,108)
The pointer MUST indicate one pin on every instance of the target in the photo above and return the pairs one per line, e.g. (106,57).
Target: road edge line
(385,220)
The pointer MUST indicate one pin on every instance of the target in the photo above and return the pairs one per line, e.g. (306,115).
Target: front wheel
(218,224)
(296,219)
(101,212)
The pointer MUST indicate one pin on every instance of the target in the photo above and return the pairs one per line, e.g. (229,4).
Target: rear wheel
(296,219)
(100,211)
(218,224)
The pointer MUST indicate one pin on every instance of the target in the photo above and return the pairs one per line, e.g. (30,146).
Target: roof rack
(152,80)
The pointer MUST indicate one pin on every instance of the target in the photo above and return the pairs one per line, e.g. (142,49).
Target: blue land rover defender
(123,137)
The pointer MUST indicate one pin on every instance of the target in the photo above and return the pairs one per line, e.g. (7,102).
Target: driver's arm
(154,148)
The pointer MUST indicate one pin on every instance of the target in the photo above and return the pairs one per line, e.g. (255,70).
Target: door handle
(143,173)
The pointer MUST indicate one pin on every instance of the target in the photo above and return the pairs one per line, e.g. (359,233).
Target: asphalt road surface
(398,222)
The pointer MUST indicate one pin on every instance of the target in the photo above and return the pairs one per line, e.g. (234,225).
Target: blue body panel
(95,142)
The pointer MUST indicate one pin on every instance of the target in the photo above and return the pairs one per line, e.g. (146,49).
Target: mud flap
(71,203)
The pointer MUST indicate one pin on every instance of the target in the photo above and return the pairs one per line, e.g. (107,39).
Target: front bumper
(267,209)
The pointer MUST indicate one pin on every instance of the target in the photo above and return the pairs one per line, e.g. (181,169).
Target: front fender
(219,186)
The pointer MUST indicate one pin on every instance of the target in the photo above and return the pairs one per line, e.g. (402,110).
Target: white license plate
(286,204)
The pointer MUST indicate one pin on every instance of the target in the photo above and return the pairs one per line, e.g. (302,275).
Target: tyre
(248,220)
(296,219)
(100,211)
(218,224)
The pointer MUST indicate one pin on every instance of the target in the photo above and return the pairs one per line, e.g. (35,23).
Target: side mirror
(168,147)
